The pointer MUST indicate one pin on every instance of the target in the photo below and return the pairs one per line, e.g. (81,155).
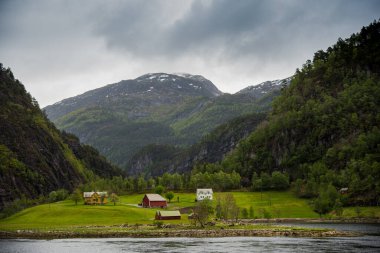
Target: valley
(65,219)
(155,109)
(301,147)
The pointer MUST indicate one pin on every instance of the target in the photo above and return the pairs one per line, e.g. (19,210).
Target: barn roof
(155,197)
(169,213)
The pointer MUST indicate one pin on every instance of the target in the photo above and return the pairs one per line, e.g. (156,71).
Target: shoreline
(313,220)
(243,228)
(194,233)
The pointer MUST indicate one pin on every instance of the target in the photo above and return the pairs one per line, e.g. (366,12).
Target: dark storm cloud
(62,48)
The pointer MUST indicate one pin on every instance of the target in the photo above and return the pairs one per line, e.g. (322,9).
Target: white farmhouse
(204,194)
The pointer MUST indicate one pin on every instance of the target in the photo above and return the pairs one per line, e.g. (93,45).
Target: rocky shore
(244,227)
(309,220)
(174,233)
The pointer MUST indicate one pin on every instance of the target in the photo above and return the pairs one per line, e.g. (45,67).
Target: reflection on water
(368,243)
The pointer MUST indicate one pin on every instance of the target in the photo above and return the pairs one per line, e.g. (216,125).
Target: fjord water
(194,245)
(366,243)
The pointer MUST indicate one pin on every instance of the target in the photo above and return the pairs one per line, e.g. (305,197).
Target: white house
(204,193)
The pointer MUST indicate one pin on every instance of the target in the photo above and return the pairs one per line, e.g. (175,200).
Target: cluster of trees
(226,207)
(58,195)
(217,180)
(202,212)
(327,200)
(175,182)
(276,181)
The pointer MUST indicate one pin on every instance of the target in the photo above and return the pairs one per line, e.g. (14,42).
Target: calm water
(367,243)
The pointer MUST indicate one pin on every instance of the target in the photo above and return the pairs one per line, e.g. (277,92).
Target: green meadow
(67,215)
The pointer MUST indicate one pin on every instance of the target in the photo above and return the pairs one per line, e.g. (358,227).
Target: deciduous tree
(76,196)
(202,212)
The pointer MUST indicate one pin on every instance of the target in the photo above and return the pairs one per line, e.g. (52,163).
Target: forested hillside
(35,157)
(324,129)
(155,160)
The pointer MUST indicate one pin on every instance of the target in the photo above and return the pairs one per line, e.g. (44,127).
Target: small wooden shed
(168,215)
(154,200)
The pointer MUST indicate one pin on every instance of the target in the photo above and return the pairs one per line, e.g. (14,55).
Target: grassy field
(279,204)
(67,215)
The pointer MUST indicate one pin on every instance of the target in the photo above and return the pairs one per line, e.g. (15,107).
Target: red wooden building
(154,200)
(168,215)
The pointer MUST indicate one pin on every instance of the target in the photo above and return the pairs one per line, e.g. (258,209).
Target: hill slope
(154,160)
(159,108)
(35,158)
(324,128)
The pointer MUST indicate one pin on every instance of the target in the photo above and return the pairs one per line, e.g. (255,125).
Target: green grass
(67,215)
(364,211)
(278,204)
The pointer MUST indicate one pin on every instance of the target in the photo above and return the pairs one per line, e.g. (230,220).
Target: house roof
(168,213)
(204,191)
(155,197)
(89,194)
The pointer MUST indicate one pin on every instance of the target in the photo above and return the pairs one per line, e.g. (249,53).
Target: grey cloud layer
(60,48)
(242,27)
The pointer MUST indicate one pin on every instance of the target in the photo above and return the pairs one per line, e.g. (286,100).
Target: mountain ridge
(155,108)
(155,83)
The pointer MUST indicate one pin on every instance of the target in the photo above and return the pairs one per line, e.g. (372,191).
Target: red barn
(168,215)
(154,200)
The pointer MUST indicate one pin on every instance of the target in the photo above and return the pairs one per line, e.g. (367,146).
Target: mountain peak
(181,78)
(190,76)
(182,81)
(151,88)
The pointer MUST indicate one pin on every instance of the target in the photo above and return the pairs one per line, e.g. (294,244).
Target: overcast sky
(59,49)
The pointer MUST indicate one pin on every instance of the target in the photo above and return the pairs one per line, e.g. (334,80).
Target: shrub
(158,223)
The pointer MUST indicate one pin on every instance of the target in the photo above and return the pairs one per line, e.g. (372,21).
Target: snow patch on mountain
(265,87)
